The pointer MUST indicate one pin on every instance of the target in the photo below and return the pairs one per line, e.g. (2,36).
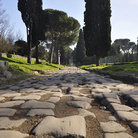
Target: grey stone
(118,107)
(34,112)
(110,95)
(53,99)
(4,65)
(106,101)
(74,92)
(134,101)
(6,123)
(117,135)
(112,118)
(28,97)
(68,126)
(7,112)
(27,90)
(12,134)
(84,113)
(111,127)
(7,74)
(134,126)
(38,105)
(11,104)
(126,116)
(14,88)
(79,104)
(82,99)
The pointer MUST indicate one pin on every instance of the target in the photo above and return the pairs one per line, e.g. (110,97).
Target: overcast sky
(124,19)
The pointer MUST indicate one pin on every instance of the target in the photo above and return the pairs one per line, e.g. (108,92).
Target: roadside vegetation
(20,66)
(111,67)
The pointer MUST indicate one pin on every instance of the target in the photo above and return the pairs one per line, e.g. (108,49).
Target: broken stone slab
(11,94)
(111,127)
(134,126)
(28,97)
(1,98)
(126,116)
(57,95)
(106,101)
(133,101)
(11,104)
(7,112)
(82,99)
(84,113)
(68,126)
(113,107)
(124,87)
(101,90)
(117,135)
(12,134)
(38,105)
(79,104)
(53,90)
(34,112)
(6,91)
(53,99)
(6,123)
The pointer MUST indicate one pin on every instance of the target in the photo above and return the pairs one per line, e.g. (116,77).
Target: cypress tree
(97,30)
(80,48)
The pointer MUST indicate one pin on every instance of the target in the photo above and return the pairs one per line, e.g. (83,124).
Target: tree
(61,31)
(31,10)
(21,47)
(80,48)
(97,30)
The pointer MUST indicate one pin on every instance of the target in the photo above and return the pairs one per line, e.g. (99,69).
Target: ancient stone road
(57,105)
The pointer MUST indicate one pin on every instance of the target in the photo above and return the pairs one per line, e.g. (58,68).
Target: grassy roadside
(131,66)
(19,67)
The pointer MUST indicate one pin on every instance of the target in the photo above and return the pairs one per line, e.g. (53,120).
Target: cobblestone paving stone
(43,106)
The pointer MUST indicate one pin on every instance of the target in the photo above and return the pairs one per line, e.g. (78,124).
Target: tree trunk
(97,60)
(29,45)
(58,56)
(51,55)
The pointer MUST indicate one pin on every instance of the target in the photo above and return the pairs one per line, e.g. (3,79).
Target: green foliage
(19,65)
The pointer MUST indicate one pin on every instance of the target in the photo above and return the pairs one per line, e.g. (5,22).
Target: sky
(124,20)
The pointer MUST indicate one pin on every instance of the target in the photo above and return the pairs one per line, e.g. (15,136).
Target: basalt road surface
(70,103)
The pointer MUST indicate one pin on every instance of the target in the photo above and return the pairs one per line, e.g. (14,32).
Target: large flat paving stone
(53,99)
(84,113)
(28,97)
(134,126)
(12,134)
(6,123)
(34,112)
(11,104)
(57,95)
(11,94)
(117,135)
(101,90)
(7,112)
(126,116)
(118,107)
(82,99)
(60,127)
(111,127)
(38,105)
(79,104)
